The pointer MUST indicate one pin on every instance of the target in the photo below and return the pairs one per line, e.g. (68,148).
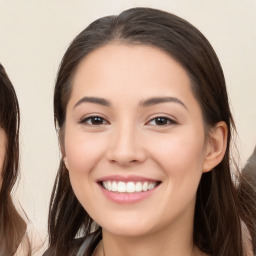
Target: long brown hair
(12,225)
(220,207)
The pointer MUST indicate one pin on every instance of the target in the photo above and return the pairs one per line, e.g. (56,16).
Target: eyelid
(172,120)
(87,117)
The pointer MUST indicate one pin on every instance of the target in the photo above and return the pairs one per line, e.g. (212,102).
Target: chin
(128,232)
(128,228)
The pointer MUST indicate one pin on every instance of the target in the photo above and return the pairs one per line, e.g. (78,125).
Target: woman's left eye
(161,121)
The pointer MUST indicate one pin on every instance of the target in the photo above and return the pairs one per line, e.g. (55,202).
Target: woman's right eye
(94,121)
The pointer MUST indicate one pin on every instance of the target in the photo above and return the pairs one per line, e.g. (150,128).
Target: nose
(126,147)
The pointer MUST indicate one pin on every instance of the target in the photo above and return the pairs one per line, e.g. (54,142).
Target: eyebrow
(145,103)
(95,100)
(159,100)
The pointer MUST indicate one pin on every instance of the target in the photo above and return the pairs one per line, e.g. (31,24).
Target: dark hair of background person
(12,225)
(221,204)
(248,179)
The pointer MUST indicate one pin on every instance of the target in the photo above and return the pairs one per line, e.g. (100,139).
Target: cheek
(82,153)
(181,156)
(181,159)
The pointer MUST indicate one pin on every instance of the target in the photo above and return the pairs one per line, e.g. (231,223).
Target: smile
(129,187)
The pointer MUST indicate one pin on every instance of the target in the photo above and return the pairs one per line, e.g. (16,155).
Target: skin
(128,141)
(2,151)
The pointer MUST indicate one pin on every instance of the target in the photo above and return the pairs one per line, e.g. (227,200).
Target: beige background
(34,36)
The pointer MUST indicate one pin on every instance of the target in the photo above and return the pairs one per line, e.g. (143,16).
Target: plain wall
(34,36)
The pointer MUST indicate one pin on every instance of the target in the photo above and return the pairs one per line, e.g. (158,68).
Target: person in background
(246,188)
(13,238)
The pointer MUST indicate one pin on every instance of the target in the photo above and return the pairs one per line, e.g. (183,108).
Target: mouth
(128,186)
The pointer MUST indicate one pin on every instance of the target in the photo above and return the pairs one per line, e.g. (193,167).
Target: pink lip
(127,198)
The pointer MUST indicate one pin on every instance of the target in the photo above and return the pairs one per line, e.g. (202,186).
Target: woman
(12,225)
(145,127)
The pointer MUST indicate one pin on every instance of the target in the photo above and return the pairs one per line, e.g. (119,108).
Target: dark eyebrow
(158,100)
(95,100)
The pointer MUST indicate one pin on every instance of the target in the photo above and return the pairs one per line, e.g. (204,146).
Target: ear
(216,146)
(64,157)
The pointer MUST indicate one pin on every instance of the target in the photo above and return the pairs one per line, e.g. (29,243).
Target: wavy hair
(222,203)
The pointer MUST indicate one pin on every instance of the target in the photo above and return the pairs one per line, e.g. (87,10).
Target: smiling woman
(110,150)
(145,128)
(12,226)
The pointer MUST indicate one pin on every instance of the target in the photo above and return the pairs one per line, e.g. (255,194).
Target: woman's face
(2,151)
(134,141)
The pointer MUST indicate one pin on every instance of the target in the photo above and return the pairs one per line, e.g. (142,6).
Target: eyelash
(89,121)
(167,121)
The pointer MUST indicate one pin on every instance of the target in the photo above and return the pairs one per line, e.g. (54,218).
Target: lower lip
(127,198)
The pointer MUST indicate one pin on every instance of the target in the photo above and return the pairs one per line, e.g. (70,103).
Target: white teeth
(109,185)
(150,186)
(105,184)
(128,187)
(121,187)
(145,186)
(114,186)
(138,187)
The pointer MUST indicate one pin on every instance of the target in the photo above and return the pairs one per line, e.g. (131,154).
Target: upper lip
(126,178)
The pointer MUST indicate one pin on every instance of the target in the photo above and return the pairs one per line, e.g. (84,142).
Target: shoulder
(74,248)
(79,246)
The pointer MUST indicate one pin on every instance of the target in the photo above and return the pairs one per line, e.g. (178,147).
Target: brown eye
(94,120)
(161,121)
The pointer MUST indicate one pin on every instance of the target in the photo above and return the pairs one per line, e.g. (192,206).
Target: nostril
(125,157)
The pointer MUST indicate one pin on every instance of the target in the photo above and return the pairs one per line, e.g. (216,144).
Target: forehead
(130,67)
